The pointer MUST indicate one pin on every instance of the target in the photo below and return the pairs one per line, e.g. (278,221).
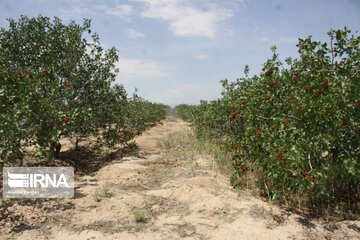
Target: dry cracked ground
(165,192)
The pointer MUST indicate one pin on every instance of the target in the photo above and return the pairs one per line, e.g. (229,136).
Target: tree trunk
(55,148)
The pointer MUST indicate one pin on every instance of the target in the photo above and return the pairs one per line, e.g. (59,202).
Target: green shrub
(297,125)
(54,83)
(140,215)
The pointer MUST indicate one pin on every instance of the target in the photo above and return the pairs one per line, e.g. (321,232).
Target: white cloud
(132,33)
(75,11)
(120,10)
(181,89)
(201,56)
(287,40)
(131,67)
(279,40)
(186,20)
(264,39)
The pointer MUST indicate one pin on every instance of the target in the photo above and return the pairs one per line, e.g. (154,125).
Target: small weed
(101,192)
(140,215)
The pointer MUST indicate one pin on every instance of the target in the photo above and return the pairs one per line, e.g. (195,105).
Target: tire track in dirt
(154,196)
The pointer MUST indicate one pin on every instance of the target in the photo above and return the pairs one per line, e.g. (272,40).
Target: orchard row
(294,130)
(55,83)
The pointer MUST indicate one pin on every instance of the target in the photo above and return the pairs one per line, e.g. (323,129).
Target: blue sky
(177,51)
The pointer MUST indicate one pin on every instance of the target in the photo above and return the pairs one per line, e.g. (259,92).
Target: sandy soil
(152,196)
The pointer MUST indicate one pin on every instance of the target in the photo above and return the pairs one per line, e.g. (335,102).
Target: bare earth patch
(157,195)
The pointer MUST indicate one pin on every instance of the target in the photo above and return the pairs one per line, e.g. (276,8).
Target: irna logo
(16,180)
(38,182)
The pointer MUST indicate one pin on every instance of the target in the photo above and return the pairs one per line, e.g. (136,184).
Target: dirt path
(155,197)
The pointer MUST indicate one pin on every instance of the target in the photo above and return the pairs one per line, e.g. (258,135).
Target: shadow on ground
(87,161)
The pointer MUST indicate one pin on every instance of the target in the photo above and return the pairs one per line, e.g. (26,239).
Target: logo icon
(18,180)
